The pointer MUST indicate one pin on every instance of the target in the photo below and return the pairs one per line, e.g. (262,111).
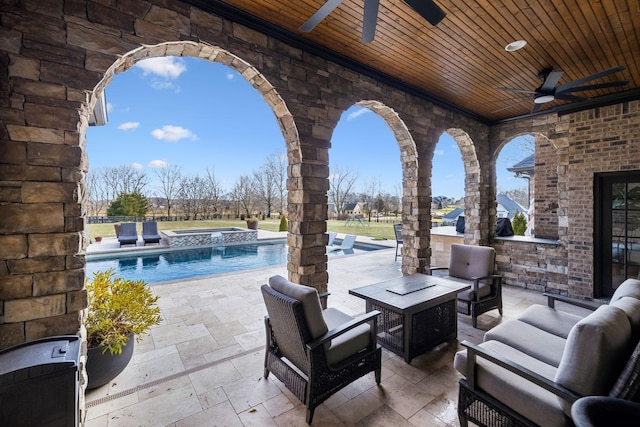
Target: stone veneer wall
(52,56)
(54,53)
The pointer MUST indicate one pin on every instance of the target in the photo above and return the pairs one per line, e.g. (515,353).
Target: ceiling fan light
(513,46)
(543,99)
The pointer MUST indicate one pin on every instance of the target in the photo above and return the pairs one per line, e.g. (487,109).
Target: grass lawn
(371,229)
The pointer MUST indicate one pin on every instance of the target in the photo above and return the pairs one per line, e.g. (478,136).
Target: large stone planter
(102,368)
(252,224)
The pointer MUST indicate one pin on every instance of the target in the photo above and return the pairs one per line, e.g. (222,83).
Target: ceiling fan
(425,8)
(548,91)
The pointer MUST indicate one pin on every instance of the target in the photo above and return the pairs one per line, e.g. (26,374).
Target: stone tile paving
(203,365)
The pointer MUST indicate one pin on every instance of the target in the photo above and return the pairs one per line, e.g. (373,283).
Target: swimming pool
(162,266)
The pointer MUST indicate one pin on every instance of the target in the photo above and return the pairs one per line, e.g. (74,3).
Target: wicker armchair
(329,348)
(475,265)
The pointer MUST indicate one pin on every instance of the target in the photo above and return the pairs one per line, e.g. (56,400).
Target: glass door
(617,227)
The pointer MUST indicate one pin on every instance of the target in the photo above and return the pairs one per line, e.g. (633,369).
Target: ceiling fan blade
(370,20)
(512,105)
(536,107)
(564,87)
(320,14)
(568,97)
(551,81)
(596,86)
(428,10)
(508,89)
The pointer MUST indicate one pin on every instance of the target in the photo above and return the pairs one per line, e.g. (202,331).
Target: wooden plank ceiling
(463,60)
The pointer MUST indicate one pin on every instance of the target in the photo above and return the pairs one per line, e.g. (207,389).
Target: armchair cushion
(469,295)
(349,343)
(467,261)
(308,296)
(596,350)
(628,288)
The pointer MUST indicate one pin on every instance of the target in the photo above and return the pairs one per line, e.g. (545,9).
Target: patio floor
(203,366)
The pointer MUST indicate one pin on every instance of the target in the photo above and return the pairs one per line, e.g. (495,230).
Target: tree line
(127,191)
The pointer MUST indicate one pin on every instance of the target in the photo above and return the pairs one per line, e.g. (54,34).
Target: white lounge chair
(347,243)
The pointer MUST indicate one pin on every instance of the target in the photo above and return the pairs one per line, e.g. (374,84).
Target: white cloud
(173,133)
(158,164)
(167,67)
(438,152)
(137,166)
(358,113)
(230,76)
(109,107)
(129,125)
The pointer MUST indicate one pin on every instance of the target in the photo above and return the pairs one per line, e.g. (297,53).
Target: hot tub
(209,236)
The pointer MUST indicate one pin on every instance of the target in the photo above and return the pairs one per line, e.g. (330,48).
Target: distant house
(352,209)
(452,217)
(507,208)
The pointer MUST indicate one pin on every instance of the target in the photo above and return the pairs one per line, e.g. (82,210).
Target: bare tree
(370,192)
(170,178)
(213,193)
(124,179)
(265,182)
(193,195)
(95,193)
(341,183)
(244,194)
(277,166)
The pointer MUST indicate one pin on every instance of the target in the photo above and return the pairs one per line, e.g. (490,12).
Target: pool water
(185,263)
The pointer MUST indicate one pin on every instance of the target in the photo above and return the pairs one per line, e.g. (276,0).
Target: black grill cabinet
(39,383)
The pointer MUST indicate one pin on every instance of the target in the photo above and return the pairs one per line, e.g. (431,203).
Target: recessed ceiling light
(513,46)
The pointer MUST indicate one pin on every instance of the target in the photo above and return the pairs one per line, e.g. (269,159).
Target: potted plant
(118,309)
(252,223)
(98,239)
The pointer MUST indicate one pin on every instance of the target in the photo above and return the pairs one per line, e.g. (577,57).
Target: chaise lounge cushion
(530,340)
(533,402)
(308,296)
(347,344)
(596,351)
(555,322)
(628,288)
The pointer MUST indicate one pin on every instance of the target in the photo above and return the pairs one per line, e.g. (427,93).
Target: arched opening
(236,65)
(384,181)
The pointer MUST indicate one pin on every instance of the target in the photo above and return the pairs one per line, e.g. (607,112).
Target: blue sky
(197,115)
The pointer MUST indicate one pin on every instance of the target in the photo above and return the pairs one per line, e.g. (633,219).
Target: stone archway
(414,250)
(476,205)
(213,54)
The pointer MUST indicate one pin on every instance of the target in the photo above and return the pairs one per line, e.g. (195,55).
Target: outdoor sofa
(530,370)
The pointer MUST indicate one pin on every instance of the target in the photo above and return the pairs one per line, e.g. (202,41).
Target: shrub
(283,224)
(117,308)
(519,224)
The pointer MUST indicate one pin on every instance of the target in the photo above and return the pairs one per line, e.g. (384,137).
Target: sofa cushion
(549,319)
(631,308)
(531,401)
(530,340)
(308,296)
(468,261)
(628,288)
(596,351)
(349,343)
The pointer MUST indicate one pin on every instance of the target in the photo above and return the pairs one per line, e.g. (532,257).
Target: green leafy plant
(129,204)
(519,224)
(118,308)
(283,224)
